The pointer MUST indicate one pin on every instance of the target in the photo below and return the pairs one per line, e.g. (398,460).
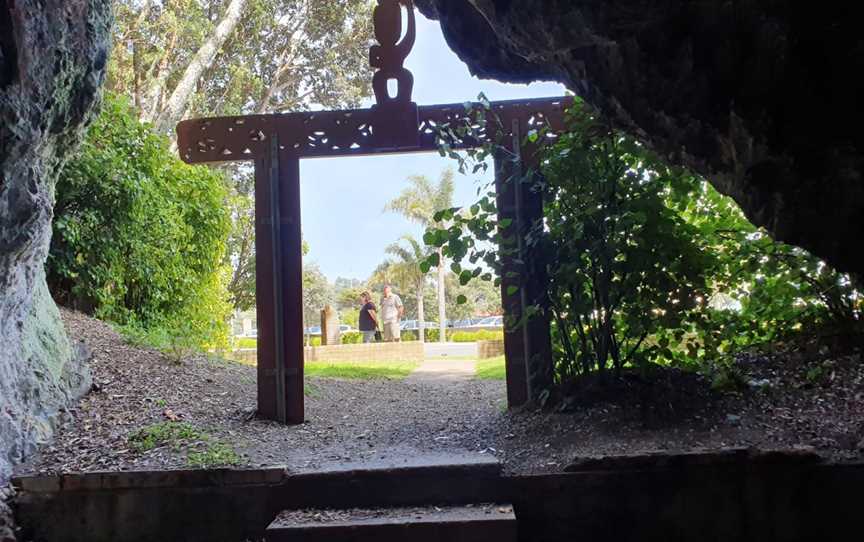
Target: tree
(225,57)
(241,243)
(139,236)
(201,61)
(406,271)
(478,297)
(316,293)
(420,203)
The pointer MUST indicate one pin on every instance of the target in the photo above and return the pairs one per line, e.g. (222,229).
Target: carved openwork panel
(346,133)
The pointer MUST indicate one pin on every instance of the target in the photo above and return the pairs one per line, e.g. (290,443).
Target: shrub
(626,266)
(352,337)
(638,254)
(139,236)
(474,336)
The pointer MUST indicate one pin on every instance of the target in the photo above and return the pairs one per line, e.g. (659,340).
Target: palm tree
(419,203)
(406,271)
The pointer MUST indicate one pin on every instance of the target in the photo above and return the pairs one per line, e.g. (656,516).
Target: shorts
(391,331)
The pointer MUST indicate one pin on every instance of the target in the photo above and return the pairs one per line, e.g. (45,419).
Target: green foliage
(202,450)
(350,316)
(421,202)
(283,54)
(317,292)
(139,236)
(474,336)
(647,263)
(432,334)
(352,337)
(174,434)
(626,266)
(216,454)
(240,253)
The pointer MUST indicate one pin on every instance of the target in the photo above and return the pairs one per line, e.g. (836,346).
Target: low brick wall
(245,355)
(490,349)
(346,353)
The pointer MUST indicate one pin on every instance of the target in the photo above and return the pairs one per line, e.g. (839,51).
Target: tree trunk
(442,310)
(421,326)
(203,59)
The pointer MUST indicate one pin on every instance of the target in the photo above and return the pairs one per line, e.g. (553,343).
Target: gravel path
(429,418)
(443,370)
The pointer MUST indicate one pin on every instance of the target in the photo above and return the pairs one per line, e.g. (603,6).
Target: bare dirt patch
(353,422)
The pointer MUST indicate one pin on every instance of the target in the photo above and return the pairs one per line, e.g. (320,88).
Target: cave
(761,98)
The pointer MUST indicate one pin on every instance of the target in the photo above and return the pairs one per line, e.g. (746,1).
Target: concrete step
(401,479)
(471,523)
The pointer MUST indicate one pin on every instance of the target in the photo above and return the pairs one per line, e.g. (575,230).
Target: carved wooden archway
(276,143)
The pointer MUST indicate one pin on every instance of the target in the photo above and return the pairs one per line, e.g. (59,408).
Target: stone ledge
(697,458)
(148,479)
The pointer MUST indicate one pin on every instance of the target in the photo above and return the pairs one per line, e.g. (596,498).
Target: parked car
(253,333)
(490,322)
(314,330)
(345,327)
(411,325)
(467,322)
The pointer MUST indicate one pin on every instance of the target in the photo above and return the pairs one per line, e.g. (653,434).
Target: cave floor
(413,421)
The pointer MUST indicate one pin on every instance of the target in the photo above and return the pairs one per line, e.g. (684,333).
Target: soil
(784,404)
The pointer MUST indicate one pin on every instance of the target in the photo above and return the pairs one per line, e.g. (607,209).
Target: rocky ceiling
(763,97)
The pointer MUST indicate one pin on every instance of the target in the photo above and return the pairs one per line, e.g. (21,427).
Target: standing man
(391,312)
(368,322)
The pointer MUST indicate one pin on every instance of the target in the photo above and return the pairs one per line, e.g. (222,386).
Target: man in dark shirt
(368,318)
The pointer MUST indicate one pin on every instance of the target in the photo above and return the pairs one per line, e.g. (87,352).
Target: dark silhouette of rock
(762,97)
(53,55)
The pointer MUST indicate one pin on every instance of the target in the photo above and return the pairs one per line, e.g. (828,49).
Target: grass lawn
(360,369)
(247,342)
(491,369)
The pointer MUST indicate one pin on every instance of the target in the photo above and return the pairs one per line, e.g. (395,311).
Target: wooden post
(277,142)
(292,285)
(527,348)
(279,283)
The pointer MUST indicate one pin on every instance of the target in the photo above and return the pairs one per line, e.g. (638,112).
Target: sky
(343,199)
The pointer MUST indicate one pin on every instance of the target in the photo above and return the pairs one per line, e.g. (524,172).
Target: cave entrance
(276,143)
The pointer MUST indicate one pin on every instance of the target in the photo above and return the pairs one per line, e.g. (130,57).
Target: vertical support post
(291,250)
(279,294)
(527,349)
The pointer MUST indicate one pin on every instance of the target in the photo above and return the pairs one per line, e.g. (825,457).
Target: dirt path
(438,413)
(443,370)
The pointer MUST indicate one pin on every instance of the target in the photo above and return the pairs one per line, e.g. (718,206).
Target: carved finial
(389,56)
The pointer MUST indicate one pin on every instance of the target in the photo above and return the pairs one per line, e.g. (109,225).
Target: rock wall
(53,55)
(762,97)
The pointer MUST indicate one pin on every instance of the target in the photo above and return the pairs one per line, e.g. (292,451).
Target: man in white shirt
(391,312)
